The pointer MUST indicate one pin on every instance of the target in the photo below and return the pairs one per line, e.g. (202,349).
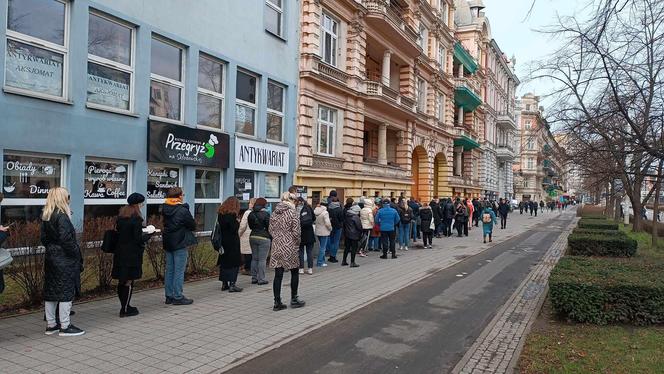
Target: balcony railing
(377,89)
(383,8)
(332,72)
(460,181)
(391,171)
(506,146)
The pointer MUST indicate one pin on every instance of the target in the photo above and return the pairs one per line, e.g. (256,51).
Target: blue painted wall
(231,30)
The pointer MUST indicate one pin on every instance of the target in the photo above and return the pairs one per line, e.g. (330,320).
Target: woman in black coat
(63,263)
(229,262)
(307,237)
(128,255)
(426,215)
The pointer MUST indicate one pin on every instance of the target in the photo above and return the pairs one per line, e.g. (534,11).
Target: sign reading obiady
(258,156)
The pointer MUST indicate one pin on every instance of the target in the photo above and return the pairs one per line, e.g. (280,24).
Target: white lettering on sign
(184,145)
(16,165)
(253,155)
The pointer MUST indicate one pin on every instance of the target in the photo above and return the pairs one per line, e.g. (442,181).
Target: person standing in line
(476,211)
(259,240)
(503,210)
(128,255)
(488,221)
(337,218)
(353,234)
(437,219)
(388,219)
(427,233)
(63,263)
(541,206)
(285,232)
(229,262)
(322,230)
(333,194)
(471,213)
(367,220)
(460,218)
(406,217)
(448,217)
(535,207)
(179,227)
(415,223)
(307,237)
(245,246)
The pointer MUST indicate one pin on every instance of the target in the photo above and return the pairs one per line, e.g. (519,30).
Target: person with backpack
(179,227)
(426,216)
(488,221)
(259,240)
(337,219)
(406,217)
(448,216)
(477,207)
(503,211)
(307,237)
(353,234)
(387,219)
(230,260)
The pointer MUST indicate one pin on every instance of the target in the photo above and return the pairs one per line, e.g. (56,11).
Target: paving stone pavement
(222,330)
(497,349)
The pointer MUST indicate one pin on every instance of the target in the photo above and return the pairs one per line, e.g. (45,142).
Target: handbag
(215,238)
(5,258)
(110,241)
(432,226)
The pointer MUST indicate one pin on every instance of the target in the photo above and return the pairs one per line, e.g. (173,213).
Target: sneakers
(301,271)
(234,288)
(310,271)
(394,256)
(344,263)
(52,330)
(260,283)
(183,301)
(278,305)
(169,300)
(296,303)
(323,266)
(332,259)
(383,257)
(405,247)
(354,265)
(224,286)
(254,281)
(71,331)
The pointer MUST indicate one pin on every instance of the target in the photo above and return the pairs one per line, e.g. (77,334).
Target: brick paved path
(222,330)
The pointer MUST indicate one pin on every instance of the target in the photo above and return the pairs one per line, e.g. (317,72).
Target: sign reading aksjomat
(105,180)
(177,144)
(30,177)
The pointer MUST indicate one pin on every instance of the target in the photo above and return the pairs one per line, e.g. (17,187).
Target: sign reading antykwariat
(176,144)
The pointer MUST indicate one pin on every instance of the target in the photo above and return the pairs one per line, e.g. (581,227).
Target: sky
(515,32)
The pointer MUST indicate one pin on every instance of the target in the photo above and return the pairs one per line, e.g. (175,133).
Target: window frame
(330,124)
(168,81)
(220,199)
(335,37)
(421,89)
(442,56)
(130,181)
(215,95)
(441,107)
(281,186)
(25,201)
(279,10)
(174,166)
(240,102)
(41,44)
(281,114)
(130,69)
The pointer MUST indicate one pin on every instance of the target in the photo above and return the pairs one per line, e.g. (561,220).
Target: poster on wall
(30,177)
(34,69)
(160,179)
(253,155)
(244,185)
(177,144)
(105,180)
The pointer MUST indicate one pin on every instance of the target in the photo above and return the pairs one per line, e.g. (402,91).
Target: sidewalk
(221,330)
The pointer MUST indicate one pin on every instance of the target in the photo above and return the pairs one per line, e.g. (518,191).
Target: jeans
(63,311)
(176,264)
(260,247)
(322,241)
(439,228)
(447,227)
(388,239)
(503,221)
(404,233)
(374,243)
(415,230)
(333,242)
(279,276)
(310,259)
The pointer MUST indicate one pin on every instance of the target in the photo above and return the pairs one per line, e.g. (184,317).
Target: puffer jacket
(245,233)
(352,224)
(323,226)
(426,216)
(259,222)
(387,217)
(367,216)
(336,215)
(178,227)
(285,231)
(63,262)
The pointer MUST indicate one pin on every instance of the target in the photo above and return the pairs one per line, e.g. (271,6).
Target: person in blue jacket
(488,221)
(387,218)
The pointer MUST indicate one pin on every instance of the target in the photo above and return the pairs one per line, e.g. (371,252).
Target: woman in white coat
(322,230)
(367,220)
(244,232)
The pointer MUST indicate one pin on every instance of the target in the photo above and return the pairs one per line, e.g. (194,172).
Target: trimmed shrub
(597,232)
(619,245)
(604,291)
(597,224)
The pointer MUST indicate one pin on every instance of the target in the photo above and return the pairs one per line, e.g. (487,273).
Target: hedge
(619,245)
(597,232)
(597,224)
(605,290)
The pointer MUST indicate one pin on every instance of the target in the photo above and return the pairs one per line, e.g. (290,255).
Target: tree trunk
(616,208)
(655,208)
(610,191)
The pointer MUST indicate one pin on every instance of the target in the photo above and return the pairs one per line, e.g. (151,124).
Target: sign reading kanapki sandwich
(177,144)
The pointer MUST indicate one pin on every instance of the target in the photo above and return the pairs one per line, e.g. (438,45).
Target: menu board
(244,185)
(160,179)
(30,177)
(105,180)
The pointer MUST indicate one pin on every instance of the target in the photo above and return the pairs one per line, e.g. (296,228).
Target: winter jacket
(487,227)
(448,210)
(352,224)
(387,217)
(503,209)
(285,231)
(63,261)
(128,255)
(415,207)
(336,215)
(178,227)
(426,216)
(435,211)
(366,215)
(405,215)
(307,230)
(230,241)
(461,214)
(259,222)
(244,233)
(323,226)
(471,209)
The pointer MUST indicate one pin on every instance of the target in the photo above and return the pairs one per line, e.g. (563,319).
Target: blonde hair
(288,197)
(57,199)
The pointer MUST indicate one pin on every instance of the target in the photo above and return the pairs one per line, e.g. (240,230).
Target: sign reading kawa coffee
(176,144)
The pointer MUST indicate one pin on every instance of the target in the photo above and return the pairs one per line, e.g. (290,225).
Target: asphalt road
(424,328)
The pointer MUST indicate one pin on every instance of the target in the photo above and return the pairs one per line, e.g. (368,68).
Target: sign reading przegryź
(258,156)
(177,144)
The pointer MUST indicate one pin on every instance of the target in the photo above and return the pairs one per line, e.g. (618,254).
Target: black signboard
(177,144)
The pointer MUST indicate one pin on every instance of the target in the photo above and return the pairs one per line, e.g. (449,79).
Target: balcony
(390,171)
(463,138)
(465,58)
(505,152)
(331,73)
(506,121)
(376,90)
(463,182)
(384,18)
(465,96)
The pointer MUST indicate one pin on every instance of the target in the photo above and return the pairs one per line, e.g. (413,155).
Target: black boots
(332,259)
(278,305)
(224,286)
(124,294)
(234,288)
(296,302)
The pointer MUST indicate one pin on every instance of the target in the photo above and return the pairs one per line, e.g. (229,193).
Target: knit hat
(135,198)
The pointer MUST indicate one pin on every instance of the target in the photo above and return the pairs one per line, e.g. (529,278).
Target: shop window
(275,111)
(160,179)
(205,215)
(245,107)
(245,188)
(37,48)
(211,80)
(208,184)
(105,187)
(110,63)
(329,39)
(167,83)
(327,123)
(272,186)
(274,13)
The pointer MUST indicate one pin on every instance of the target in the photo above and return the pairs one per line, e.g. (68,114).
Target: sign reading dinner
(177,144)
(253,155)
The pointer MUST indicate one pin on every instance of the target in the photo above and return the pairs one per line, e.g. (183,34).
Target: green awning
(466,98)
(466,142)
(463,57)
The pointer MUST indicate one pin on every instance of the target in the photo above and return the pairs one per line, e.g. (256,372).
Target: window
(26,180)
(245,187)
(275,111)
(160,179)
(110,63)
(210,108)
(329,37)
(167,81)
(441,107)
(528,125)
(442,56)
(530,144)
(105,187)
(327,123)
(423,38)
(208,184)
(421,95)
(37,48)
(245,107)
(530,163)
(272,186)
(274,13)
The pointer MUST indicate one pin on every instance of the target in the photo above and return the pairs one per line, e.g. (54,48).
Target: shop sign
(33,69)
(257,156)
(301,191)
(160,180)
(105,180)
(108,92)
(30,177)
(176,144)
